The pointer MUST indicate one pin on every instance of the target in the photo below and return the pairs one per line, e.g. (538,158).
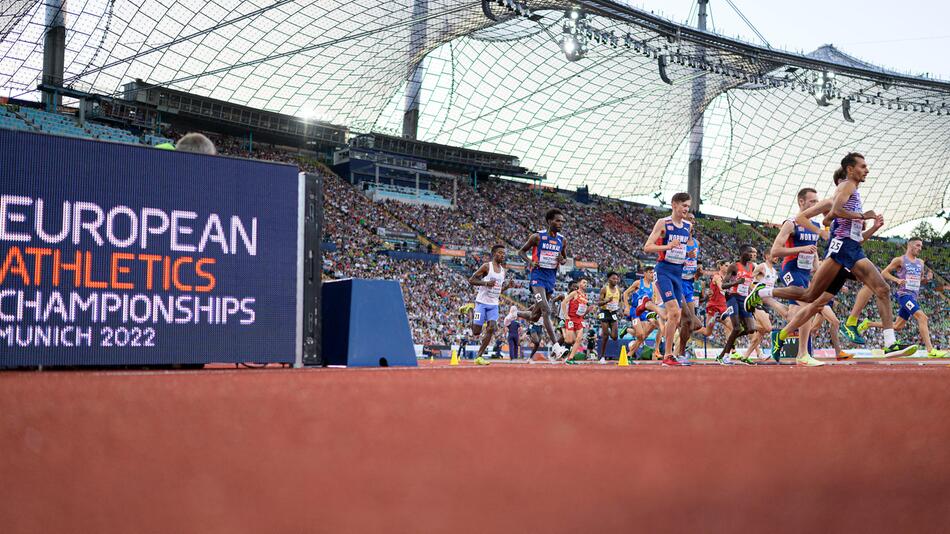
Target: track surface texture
(504,448)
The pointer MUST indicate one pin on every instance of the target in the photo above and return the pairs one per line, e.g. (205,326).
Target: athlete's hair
(648,268)
(681,197)
(915,238)
(572,285)
(744,249)
(496,247)
(839,175)
(612,273)
(552,213)
(803,192)
(850,160)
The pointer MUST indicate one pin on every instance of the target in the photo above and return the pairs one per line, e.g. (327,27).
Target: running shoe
(851,332)
(808,361)
(571,361)
(777,344)
(671,362)
(863,327)
(482,361)
(898,349)
(684,360)
(736,357)
(622,332)
(650,316)
(934,353)
(724,359)
(844,355)
(558,350)
(754,300)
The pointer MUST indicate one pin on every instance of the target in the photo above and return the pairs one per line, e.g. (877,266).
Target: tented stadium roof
(497,80)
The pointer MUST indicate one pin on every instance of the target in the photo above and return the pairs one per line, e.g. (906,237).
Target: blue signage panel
(113,254)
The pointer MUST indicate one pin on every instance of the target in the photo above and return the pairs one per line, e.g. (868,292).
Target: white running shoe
(557,351)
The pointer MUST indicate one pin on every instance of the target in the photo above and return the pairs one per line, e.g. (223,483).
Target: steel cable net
(607,120)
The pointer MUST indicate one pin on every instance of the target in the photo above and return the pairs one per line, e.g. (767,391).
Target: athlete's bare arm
(878,224)
(842,194)
(659,230)
(888,272)
(523,251)
(804,218)
(602,298)
(778,246)
(562,258)
(732,278)
(476,279)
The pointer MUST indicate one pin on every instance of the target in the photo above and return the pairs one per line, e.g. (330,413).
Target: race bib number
(613,306)
(676,255)
(909,305)
(744,289)
(788,279)
(857,230)
(548,259)
(913,282)
(537,297)
(602,316)
(570,325)
(581,309)
(835,246)
(478,316)
(806,261)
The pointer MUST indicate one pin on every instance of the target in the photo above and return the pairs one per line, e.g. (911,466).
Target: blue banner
(114,254)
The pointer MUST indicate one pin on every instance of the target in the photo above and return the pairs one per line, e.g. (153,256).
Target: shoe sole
(906,352)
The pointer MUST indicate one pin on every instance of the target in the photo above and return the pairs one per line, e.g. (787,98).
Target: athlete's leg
(823,277)
(604,332)
(804,331)
(487,336)
(778,307)
(860,302)
(543,310)
(536,344)
(737,327)
(923,326)
(833,323)
(763,325)
(867,274)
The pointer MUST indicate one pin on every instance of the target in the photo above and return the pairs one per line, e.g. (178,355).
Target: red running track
(496,449)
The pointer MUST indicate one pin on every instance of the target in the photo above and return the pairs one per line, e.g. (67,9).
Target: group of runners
(740,291)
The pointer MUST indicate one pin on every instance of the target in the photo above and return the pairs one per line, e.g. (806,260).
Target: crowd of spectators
(605,231)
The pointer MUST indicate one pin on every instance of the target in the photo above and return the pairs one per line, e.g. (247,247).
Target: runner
(490,280)
(738,281)
(911,271)
(689,322)
(827,315)
(577,309)
(609,302)
(548,252)
(716,306)
(846,256)
(668,240)
(799,247)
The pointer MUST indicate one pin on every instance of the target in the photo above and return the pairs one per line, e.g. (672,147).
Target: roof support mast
(417,44)
(696,118)
(54,51)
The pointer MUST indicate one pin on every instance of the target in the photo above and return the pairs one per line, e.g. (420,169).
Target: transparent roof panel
(772,122)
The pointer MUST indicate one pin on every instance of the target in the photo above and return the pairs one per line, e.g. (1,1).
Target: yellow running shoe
(808,361)
(863,327)
(482,361)
(937,354)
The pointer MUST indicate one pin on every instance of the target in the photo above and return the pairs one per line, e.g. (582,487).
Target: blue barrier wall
(365,321)
(115,254)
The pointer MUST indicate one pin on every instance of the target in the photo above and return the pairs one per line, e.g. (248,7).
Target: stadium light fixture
(572,47)
(661,63)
